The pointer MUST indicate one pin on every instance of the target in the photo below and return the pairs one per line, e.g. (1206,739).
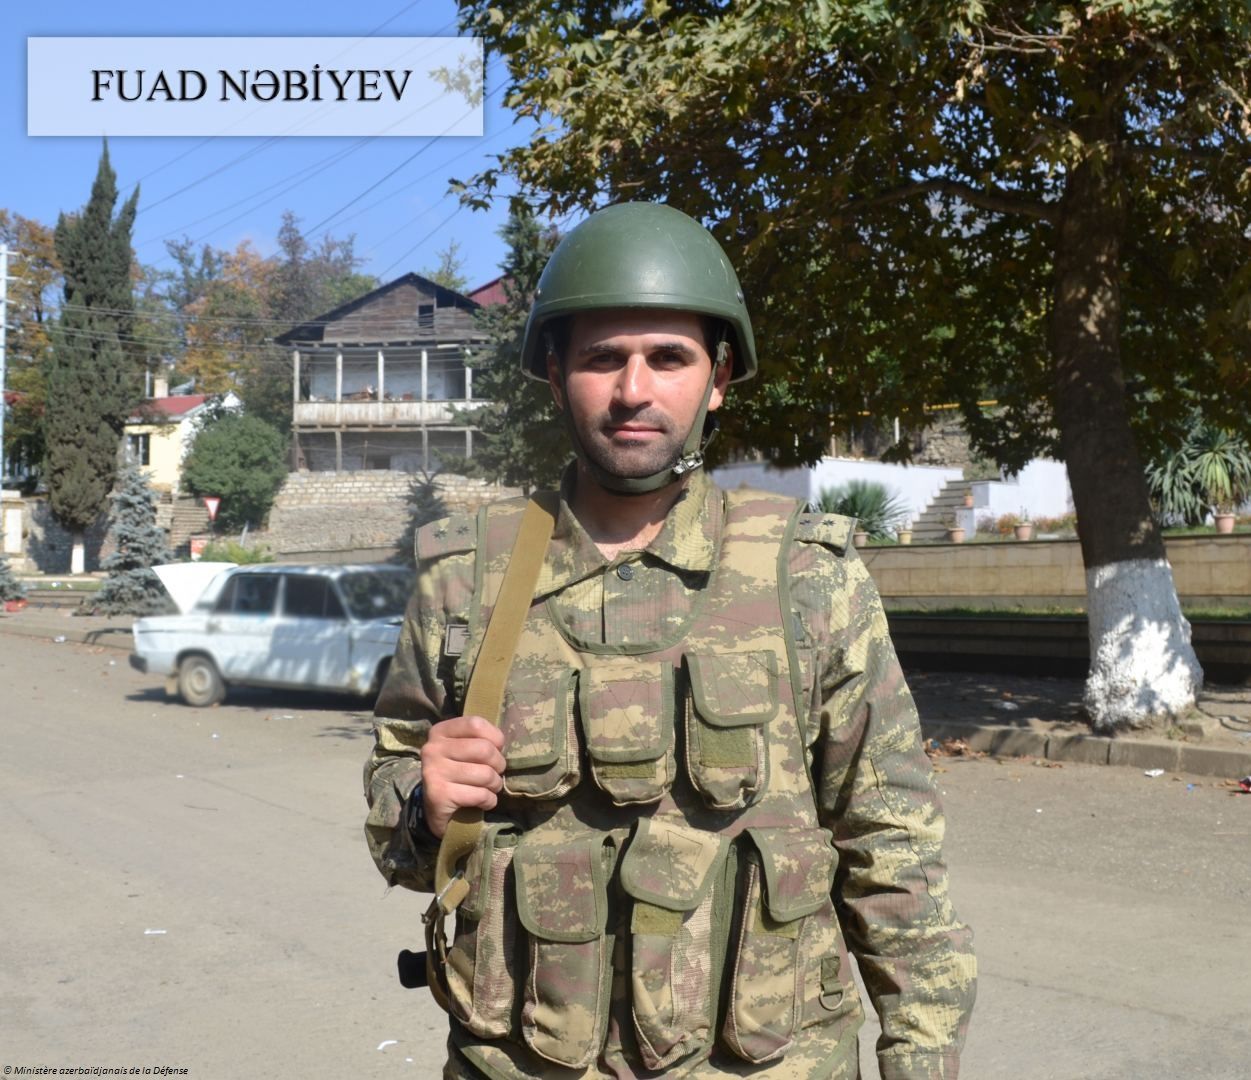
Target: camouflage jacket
(716,788)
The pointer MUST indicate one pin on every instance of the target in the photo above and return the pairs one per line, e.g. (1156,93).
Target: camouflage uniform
(715,788)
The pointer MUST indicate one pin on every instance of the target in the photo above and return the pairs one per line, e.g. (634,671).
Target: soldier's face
(633,383)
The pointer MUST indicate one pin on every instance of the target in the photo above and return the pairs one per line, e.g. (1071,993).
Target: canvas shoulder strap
(485,698)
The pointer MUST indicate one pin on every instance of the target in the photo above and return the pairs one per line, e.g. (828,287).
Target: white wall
(916,485)
(1042,488)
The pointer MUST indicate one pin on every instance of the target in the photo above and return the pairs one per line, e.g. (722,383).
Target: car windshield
(376,594)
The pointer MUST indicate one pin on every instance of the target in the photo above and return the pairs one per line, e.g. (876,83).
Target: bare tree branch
(997,200)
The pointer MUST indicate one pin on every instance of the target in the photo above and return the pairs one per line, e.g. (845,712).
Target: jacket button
(625,571)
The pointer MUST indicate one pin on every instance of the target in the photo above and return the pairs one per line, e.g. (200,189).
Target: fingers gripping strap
(485,695)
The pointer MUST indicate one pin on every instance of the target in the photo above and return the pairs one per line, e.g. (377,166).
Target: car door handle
(214,624)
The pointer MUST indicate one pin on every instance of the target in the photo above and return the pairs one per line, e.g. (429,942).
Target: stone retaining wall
(320,512)
(47,545)
(1208,570)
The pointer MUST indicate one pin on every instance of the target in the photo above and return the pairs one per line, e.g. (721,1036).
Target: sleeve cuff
(420,838)
(944,1065)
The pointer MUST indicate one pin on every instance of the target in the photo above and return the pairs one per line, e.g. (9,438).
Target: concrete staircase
(188,518)
(931,526)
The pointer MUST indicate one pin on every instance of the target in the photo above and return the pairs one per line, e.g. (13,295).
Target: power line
(422,240)
(300,178)
(210,138)
(423,177)
(258,320)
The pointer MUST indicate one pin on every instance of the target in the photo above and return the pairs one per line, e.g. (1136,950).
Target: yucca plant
(1211,471)
(878,509)
(1221,463)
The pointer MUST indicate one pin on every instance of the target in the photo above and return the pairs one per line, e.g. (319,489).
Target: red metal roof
(154,410)
(490,294)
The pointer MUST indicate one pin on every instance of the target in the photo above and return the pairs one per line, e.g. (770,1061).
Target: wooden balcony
(380,414)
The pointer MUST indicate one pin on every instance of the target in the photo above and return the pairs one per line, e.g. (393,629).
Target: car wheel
(199,682)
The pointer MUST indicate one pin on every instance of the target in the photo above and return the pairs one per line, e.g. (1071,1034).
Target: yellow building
(160,431)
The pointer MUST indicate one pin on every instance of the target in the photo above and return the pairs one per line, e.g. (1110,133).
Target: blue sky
(224,190)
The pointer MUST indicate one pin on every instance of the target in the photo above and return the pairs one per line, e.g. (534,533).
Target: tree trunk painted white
(78,559)
(1142,665)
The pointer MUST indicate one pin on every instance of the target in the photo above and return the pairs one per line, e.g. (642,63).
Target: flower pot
(904,536)
(14,605)
(1023,531)
(955,536)
(860,538)
(1225,523)
(968,500)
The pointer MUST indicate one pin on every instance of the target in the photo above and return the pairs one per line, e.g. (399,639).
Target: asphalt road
(189,888)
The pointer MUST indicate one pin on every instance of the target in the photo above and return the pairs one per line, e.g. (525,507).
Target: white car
(299,627)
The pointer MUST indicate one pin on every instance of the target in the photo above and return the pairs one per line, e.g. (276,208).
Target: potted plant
(968,498)
(1222,465)
(1209,474)
(875,507)
(1024,528)
(955,531)
(860,537)
(904,533)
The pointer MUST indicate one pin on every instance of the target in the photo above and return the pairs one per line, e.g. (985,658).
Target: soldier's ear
(555,379)
(721,379)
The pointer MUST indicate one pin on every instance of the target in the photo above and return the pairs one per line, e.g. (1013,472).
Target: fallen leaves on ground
(951,748)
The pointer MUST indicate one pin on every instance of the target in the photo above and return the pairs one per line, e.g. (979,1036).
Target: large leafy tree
(239,458)
(36,279)
(93,377)
(233,303)
(935,201)
(520,441)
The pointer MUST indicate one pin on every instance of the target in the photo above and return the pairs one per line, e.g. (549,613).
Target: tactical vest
(662,858)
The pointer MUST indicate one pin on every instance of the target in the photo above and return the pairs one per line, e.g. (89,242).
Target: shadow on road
(355,712)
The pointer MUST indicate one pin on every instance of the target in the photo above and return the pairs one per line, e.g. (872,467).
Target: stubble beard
(632,462)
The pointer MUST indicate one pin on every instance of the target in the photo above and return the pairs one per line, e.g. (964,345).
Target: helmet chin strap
(690,459)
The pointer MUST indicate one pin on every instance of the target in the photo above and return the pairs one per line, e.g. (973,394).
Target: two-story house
(376,380)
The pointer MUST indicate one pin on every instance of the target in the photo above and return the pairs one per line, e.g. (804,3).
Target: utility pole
(4,326)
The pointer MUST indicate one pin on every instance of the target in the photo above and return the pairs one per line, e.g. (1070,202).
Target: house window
(425,316)
(139,448)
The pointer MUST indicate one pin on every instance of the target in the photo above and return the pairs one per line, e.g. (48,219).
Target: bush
(1064,524)
(878,510)
(235,552)
(1000,526)
(240,458)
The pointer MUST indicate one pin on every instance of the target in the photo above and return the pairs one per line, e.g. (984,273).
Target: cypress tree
(93,376)
(138,545)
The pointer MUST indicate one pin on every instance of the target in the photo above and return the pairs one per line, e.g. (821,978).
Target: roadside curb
(1182,757)
(109,635)
(997,740)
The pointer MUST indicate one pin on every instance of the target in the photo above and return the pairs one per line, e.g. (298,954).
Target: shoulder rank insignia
(830,530)
(447,536)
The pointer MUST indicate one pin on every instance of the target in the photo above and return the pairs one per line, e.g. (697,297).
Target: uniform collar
(688,539)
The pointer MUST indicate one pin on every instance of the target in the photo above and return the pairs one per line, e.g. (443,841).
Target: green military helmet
(639,255)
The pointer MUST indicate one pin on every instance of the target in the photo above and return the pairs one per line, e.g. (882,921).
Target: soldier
(707,784)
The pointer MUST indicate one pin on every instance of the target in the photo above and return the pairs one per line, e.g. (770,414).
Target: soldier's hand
(462,764)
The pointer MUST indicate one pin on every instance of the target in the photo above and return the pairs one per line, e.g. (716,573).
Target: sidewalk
(1040,717)
(1001,715)
(52,622)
